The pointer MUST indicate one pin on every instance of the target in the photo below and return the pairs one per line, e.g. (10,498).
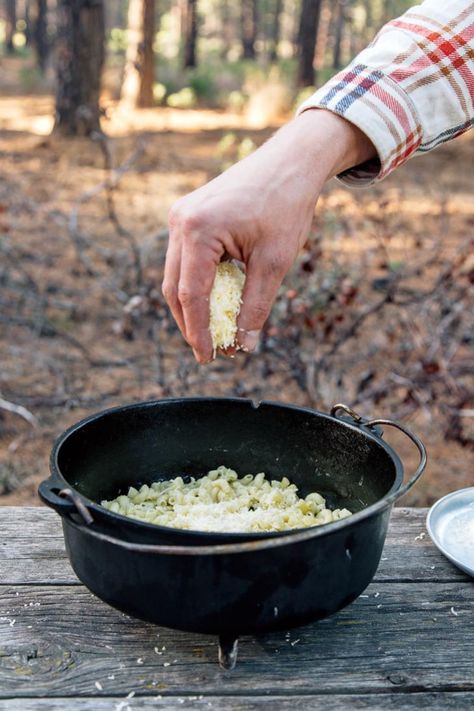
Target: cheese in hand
(225,301)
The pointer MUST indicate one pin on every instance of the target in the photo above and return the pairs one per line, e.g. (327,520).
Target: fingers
(196,246)
(190,268)
(265,273)
(198,269)
(171,281)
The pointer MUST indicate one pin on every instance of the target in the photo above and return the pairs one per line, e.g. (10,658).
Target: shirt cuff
(380,108)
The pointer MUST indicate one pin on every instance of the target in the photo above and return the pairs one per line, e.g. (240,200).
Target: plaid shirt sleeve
(411,89)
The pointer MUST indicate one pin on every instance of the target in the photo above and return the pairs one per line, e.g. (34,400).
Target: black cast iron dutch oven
(226,584)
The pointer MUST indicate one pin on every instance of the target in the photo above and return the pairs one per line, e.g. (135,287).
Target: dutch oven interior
(143,443)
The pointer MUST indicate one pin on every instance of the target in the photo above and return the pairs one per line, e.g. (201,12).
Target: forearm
(324,144)
(305,153)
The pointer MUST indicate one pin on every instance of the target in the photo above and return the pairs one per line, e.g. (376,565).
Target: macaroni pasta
(222,501)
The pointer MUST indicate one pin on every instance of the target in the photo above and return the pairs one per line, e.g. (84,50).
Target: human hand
(258,212)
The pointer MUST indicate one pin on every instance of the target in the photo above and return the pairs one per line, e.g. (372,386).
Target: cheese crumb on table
(225,301)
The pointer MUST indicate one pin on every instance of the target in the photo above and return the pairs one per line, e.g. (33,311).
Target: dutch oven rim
(301,536)
(282,538)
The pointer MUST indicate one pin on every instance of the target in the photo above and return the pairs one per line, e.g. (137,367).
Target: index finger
(171,281)
(198,270)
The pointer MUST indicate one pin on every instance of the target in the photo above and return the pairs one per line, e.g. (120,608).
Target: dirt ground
(378,311)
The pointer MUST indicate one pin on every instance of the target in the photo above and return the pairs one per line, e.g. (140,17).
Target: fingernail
(248,340)
(200,359)
(198,356)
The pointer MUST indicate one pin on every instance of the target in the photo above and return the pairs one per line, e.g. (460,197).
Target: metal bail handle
(348,410)
(390,423)
(81,509)
(63,501)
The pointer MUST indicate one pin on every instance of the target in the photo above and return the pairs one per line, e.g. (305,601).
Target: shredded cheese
(222,501)
(225,301)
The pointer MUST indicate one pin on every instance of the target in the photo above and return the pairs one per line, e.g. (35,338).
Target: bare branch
(110,184)
(19,410)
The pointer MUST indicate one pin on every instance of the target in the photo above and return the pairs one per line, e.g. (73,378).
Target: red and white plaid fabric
(411,89)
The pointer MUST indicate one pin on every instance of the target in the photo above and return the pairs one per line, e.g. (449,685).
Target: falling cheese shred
(226,298)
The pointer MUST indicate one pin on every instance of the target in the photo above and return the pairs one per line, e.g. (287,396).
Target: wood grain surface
(407,642)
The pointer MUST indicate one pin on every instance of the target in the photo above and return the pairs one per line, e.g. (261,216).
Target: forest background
(109,112)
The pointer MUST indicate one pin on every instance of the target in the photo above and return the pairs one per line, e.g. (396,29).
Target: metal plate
(450,523)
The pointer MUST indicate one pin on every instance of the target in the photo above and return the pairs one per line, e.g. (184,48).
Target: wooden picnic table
(407,642)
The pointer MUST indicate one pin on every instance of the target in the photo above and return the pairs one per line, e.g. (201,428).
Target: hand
(259,212)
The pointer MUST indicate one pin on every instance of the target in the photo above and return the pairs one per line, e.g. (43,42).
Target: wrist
(332,143)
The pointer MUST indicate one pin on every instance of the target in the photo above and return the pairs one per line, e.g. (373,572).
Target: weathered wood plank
(22,521)
(60,640)
(25,521)
(337,702)
(31,535)
(35,560)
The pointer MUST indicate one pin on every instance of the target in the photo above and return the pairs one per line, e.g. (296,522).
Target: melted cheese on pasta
(222,501)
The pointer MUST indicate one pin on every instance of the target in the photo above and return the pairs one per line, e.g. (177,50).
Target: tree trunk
(139,75)
(27,18)
(295,16)
(249,24)
(275,33)
(340,21)
(323,35)
(190,33)
(40,33)
(309,21)
(80,57)
(227,29)
(10,28)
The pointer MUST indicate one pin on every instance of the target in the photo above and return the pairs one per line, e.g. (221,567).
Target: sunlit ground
(424,208)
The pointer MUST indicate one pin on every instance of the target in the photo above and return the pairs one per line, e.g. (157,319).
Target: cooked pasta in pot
(222,501)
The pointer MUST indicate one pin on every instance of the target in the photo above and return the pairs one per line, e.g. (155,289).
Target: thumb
(265,273)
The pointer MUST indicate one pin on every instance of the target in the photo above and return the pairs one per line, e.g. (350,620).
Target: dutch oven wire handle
(372,424)
(63,501)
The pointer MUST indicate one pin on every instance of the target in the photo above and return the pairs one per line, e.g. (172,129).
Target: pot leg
(228,649)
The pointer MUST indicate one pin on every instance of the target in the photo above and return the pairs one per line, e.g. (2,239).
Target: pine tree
(79,62)
(139,75)
(308,30)
(190,32)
